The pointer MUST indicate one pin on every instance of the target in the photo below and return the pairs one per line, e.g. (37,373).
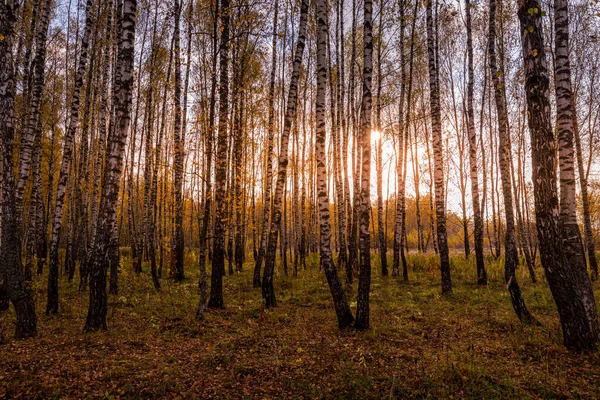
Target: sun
(375,135)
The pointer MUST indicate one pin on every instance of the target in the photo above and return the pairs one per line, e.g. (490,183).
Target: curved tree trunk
(511,258)
(565,115)
(570,285)
(342,308)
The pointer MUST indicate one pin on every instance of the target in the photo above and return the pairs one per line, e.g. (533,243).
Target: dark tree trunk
(96,317)
(364,279)
(52,303)
(11,272)
(570,285)
(179,139)
(218,261)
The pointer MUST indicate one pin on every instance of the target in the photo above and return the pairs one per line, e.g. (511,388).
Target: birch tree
(269,155)
(268,292)
(342,309)
(569,284)
(218,262)
(52,303)
(476,202)
(113,165)
(179,139)
(11,272)
(438,153)
(364,278)
(511,257)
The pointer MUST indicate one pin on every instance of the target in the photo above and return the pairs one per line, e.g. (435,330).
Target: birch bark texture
(569,284)
(476,202)
(511,257)
(268,292)
(52,303)
(218,262)
(11,272)
(364,276)
(342,309)
(438,152)
(269,156)
(113,166)
(565,117)
(179,142)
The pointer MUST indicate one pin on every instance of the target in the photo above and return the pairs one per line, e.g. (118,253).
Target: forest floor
(465,345)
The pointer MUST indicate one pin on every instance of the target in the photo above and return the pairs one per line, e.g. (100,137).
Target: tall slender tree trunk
(207,206)
(403,150)
(353,225)
(80,216)
(585,199)
(364,280)
(179,140)
(341,79)
(476,203)
(156,208)
(511,258)
(28,137)
(269,156)
(136,239)
(218,261)
(31,146)
(400,161)
(342,309)
(186,85)
(238,145)
(520,199)
(570,285)
(268,292)
(148,128)
(436,130)
(380,216)
(52,303)
(10,251)
(113,165)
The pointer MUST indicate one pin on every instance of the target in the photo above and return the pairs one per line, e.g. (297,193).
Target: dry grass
(466,345)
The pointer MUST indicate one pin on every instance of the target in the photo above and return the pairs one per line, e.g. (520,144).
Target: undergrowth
(420,345)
